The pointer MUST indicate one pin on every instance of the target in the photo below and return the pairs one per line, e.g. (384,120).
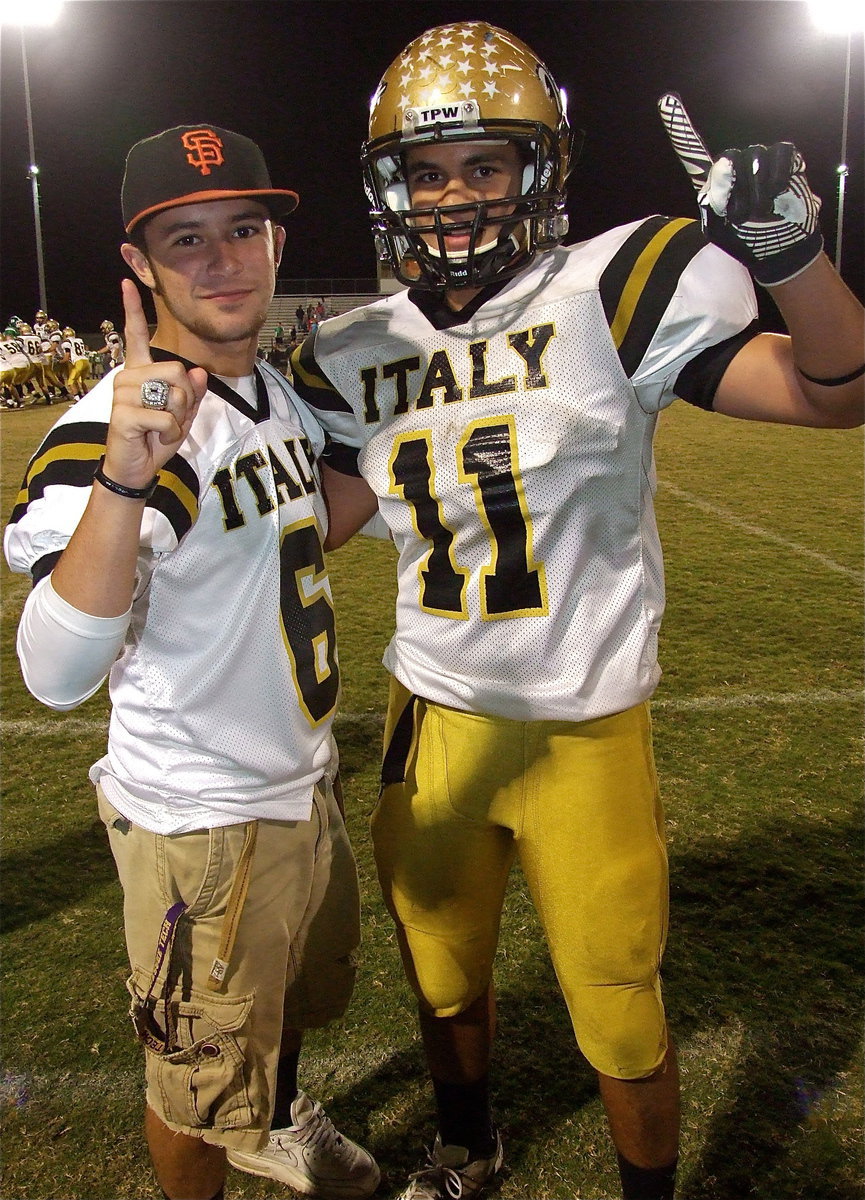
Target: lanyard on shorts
(156,1039)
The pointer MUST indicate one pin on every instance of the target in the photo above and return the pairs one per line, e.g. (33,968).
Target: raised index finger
(687,143)
(135,329)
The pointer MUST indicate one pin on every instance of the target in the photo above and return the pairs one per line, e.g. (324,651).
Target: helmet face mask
(468,82)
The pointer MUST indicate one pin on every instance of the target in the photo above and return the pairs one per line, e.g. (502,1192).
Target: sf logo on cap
(204,149)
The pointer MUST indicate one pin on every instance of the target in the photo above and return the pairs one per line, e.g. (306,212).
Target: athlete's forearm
(765,381)
(827,333)
(350,504)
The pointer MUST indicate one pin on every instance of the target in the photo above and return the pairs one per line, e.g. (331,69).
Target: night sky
(296,77)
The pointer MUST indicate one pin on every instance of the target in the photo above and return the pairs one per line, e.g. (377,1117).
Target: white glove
(755,203)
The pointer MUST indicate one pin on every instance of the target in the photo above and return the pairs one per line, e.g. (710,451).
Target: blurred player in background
(113,348)
(21,377)
(77,363)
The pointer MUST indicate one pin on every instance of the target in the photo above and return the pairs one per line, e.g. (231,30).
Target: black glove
(755,203)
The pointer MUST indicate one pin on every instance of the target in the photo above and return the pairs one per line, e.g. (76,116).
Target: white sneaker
(450,1176)
(312,1157)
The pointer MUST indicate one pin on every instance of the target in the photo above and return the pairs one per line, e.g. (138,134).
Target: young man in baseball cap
(174,531)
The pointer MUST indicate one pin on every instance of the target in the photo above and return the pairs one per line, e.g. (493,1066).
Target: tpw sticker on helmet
(463,113)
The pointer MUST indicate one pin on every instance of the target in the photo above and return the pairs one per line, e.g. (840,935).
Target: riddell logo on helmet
(205,149)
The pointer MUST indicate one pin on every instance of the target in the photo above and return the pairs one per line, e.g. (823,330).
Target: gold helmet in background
(465,82)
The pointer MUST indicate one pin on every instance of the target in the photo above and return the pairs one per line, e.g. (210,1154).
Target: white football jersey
(511,453)
(13,356)
(76,348)
(31,345)
(114,342)
(224,694)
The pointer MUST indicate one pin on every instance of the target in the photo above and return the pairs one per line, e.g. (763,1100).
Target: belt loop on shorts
(233,909)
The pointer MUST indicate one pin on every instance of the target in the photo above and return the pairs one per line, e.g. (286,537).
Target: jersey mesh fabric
(525,448)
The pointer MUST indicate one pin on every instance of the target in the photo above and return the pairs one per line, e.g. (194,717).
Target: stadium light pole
(42,12)
(840,17)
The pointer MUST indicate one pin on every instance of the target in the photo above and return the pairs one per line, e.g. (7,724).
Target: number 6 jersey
(510,447)
(224,693)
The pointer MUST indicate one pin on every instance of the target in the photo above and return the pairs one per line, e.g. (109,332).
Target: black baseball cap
(193,163)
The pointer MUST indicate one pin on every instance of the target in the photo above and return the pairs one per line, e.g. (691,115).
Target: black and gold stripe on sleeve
(177,496)
(69,456)
(640,280)
(310,381)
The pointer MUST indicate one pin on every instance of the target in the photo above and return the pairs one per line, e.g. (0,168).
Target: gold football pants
(578,804)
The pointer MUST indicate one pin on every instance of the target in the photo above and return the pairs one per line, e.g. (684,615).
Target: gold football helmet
(465,82)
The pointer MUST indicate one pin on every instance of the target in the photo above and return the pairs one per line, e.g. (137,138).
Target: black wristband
(120,489)
(837,381)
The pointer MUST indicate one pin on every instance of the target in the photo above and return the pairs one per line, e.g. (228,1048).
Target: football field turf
(758,727)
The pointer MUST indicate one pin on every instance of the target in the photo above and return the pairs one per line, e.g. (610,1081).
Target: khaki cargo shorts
(233,933)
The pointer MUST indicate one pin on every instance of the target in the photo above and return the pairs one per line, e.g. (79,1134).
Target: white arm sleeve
(65,654)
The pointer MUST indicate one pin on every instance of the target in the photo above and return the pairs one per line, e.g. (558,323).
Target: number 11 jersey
(510,447)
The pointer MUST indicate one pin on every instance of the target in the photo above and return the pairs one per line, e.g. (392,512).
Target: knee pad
(621,1029)
(446,977)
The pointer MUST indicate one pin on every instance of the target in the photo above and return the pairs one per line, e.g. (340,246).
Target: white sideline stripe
(724,514)
(75,726)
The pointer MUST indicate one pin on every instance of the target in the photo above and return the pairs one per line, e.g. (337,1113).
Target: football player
(12,362)
(505,406)
(42,377)
(170,490)
(56,365)
(113,347)
(22,378)
(78,363)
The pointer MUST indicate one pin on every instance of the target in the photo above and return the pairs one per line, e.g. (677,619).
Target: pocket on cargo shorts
(199,1081)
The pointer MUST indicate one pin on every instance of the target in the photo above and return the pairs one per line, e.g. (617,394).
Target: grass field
(758,737)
